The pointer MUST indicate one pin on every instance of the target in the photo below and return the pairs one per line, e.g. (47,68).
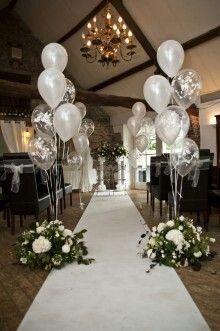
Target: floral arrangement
(104,150)
(51,245)
(111,152)
(119,150)
(178,243)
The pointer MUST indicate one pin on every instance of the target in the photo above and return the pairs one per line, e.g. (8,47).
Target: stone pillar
(120,184)
(101,186)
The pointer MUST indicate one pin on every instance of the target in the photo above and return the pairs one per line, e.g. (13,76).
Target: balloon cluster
(59,115)
(141,127)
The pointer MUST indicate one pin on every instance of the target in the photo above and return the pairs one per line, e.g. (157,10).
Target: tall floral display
(58,120)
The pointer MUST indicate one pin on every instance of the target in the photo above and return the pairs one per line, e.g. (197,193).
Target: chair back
(153,169)
(164,179)
(25,201)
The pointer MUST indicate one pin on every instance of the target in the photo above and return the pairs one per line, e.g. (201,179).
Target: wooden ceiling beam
(21,90)
(85,20)
(211,34)
(138,34)
(10,6)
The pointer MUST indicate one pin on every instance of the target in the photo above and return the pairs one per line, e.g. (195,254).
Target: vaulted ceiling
(158,20)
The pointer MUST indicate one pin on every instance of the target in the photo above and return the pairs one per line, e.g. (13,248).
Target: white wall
(207,126)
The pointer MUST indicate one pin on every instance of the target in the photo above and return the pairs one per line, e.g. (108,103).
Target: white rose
(199,229)
(160,227)
(40,229)
(153,234)
(181,218)
(41,245)
(57,234)
(175,236)
(152,241)
(65,248)
(67,232)
(153,255)
(170,223)
(154,229)
(149,252)
(70,242)
(61,227)
(212,240)
(23,260)
(25,242)
(180,227)
(197,254)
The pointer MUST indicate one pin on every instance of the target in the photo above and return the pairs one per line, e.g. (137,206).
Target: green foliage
(111,152)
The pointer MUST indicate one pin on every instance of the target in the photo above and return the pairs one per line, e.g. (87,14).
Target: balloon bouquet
(59,118)
(172,122)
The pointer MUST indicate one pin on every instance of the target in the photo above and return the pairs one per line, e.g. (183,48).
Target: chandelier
(109,43)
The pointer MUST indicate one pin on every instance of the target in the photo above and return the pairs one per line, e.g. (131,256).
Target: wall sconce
(16,54)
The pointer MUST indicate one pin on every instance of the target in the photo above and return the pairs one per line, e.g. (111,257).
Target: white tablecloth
(73,177)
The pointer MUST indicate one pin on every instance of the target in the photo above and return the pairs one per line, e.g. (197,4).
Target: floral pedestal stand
(120,184)
(101,186)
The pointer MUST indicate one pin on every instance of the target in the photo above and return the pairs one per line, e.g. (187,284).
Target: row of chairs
(197,199)
(34,195)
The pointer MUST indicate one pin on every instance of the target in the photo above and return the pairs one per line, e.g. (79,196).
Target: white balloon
(67,121)
(139,109)
(54,56)
(81,143)
(82,108)
(167,125)
(52,86)
(170,56)
(184,121)
(134,125)
(141,143)
(157,92)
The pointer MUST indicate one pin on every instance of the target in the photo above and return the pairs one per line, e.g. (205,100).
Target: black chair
(160,191)
(194,199)
(153,179)
(27,201)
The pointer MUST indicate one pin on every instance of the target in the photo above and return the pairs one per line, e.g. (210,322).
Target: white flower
(199,229)
(153,255)
(40,229)
(65,248)
(181,218)
(153,234)
(212,240)
(41,245)
(207,252)
(25,242)
(61,227)
(160,227)
(197,254)
(57,234)
(37,224)
(186,263)
(149,252)
(175,236)
(57,222)
(180,227)
(23,260)
(170,223)
(70,242)
(67,232)
(163,255)
(154,229)
(152,241)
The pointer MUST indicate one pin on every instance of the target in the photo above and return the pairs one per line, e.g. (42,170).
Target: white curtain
(13,135)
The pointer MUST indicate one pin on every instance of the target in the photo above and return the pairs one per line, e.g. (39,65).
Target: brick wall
(194,129)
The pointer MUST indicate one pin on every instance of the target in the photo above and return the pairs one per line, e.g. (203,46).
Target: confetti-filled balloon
(186,86)
(82,108)
(70,94)
(42,119)
(167,126)
(141,142)
(42,150)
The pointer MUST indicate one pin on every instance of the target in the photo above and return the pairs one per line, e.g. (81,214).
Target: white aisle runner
(114,293)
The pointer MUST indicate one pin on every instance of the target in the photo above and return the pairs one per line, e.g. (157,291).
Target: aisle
(114,293)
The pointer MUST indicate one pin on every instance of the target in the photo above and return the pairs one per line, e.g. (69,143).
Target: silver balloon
(170,56)
(67,120)
(133,157)
(70,94)
(54,56)
(52,86)
(167,126)
(75,160)
(184,156)
(81,143)
(157,92)
(139,109)
(134,125)
(184,121)
(87,127)
(186,86)
(42,119)
(82,108)
(42,150)
(141,142)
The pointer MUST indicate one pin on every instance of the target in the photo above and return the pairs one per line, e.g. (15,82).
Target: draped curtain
(13,135)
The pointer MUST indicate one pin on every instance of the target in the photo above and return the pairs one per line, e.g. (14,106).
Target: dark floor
(19,285)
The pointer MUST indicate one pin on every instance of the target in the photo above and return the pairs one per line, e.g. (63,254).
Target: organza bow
(17,170)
